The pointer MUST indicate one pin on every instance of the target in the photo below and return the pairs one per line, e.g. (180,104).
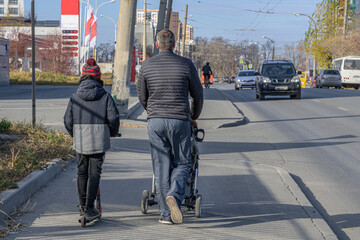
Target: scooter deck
(84,220)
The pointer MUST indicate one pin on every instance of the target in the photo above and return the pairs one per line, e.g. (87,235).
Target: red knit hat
(91,68)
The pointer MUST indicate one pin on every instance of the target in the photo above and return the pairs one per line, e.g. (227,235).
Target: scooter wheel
(83,221)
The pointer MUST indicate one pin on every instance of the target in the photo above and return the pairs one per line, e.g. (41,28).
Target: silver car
(329,78)
(245,79)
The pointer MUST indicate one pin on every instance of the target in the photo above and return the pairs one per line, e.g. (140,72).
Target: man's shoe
(91,212)
(176,214)
(165,221)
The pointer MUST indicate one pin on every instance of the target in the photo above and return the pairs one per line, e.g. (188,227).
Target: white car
(245,79)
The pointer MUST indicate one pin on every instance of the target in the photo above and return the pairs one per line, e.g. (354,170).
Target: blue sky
(212,18)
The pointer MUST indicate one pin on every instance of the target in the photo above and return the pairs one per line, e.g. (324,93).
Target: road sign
(241,57)
(250,66)
(241,61)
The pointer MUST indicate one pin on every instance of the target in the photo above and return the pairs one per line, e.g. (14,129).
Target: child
(90,118)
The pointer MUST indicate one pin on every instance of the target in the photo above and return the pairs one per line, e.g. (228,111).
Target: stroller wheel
(144,201)
(198,204)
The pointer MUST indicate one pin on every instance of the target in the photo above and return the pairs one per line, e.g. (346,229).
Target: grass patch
(24,149)
(46,78)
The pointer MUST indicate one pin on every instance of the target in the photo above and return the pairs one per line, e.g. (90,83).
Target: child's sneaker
(82,211)
(91,212)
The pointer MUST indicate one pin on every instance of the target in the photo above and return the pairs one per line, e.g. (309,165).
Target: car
(329,78)
(225,79)
(313,81)
(277,77)
(215,79)
(232,79)
(245,79)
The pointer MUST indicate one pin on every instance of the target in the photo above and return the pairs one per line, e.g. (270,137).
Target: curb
(12,199)
(131,110)
(304,202)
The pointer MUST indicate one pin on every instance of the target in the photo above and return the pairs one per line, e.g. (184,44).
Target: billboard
(70,35)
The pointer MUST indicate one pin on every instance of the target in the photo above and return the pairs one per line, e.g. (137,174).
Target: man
(164,83)
(206,71)
(90,118)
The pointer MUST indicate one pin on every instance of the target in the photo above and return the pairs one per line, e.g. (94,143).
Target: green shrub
(5,125)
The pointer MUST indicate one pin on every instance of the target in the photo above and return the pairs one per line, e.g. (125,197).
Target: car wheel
(236,88)
(356,87)
(298,95)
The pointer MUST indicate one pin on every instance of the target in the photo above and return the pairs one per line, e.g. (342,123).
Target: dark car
(277,77)
(329,78)
(232,79)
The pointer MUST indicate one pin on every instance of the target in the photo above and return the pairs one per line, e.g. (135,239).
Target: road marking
(316,100)
(344,109)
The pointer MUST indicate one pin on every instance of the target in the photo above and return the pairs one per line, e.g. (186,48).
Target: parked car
(313,81)
(245,79)
(277,77)
(329,78)
(225,79)
(215,79)
(232,79)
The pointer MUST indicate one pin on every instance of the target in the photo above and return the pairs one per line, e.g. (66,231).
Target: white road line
(316,100)
(343,109)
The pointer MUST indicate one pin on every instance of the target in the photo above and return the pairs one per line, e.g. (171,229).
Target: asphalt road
(316,139)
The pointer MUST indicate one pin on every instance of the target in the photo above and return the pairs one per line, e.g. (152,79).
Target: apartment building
(13,9)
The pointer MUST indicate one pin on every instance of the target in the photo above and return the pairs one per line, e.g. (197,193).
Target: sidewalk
(241,199)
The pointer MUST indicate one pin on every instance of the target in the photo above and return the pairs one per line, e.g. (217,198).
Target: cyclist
(207,72)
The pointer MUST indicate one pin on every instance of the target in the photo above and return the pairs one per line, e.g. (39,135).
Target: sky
(234,20)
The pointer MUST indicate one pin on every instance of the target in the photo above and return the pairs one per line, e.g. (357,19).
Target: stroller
(192,200)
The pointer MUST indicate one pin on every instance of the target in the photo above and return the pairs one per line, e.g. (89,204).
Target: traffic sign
(241,61)
(250,66)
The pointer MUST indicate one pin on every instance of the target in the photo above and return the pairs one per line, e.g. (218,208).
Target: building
(13,9)
(189,34)
(4,61)
(152,16)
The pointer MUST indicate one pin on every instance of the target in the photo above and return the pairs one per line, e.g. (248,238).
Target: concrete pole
(33,62)
(168,14)
(345,16)
(178,39)
(307,63)
(184,31)
(160,23)
(144,33)
(122,61)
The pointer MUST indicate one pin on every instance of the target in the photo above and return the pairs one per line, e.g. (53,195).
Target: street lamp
(111,1)
(315,33)
(115,24)
(273,43)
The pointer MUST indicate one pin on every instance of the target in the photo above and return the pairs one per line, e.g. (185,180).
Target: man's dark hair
(165,39)
(207,63)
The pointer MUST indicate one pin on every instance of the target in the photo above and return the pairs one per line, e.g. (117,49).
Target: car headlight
(266,80)
(295,79)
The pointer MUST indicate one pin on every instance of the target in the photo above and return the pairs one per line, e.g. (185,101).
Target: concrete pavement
(241,199)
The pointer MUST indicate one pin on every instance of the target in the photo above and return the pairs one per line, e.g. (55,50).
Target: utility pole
(184,31)
(168,14)
(122,61)
(178,39)
(144,33)
(160,23)
(345,16)
(33,62)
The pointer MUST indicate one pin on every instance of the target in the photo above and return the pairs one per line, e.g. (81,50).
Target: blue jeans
(171,158)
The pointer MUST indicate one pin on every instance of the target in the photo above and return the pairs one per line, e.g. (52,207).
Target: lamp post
(97,8)
(273,43)
(315,33)
(115,24)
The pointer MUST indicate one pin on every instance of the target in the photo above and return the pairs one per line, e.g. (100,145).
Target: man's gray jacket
(91,117)
(164,84)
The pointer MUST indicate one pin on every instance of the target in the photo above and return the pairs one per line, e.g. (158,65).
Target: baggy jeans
(89,171)
(170,143)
